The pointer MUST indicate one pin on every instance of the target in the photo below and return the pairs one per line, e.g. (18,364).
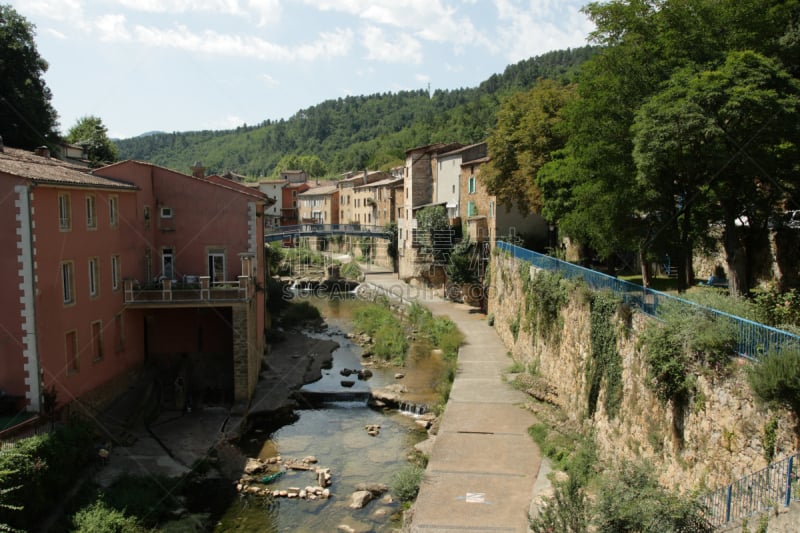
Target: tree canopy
(91,133)
(27,118)
(674,129)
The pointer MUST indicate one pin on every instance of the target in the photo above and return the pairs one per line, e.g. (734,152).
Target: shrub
(405,483)
(775,381)
(604,367)
(298,313)
(99,518)
(567,511)
(632,500)
(351,271)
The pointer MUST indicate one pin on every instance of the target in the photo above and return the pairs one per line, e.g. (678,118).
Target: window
(68,282)
(71,351)
(166,212)
(91,212)
(147,217)
(115,271)
(94,288)
(216,265)
(97,341)
(119,333)
(471,209)
(64,212)
(472,184)
(167,263)
(454,189)
(294,194)
(491,209)
(113,214)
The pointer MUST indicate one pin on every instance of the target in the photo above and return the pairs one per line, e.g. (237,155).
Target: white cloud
(539,26)
(430,20)
(329,44)
(269,81)
(424,78)
(230,7)
(263,11)
(390,49)
(112,28)
(55,33)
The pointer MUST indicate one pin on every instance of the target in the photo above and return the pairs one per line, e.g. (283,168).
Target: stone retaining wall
(723,426)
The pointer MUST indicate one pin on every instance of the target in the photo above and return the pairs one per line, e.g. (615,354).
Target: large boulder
(360,498)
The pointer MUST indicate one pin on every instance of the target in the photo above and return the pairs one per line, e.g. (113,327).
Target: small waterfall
(413,409)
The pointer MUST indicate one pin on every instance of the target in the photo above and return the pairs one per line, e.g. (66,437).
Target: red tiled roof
(51,171)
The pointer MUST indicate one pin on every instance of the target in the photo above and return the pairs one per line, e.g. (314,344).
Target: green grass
(657,283)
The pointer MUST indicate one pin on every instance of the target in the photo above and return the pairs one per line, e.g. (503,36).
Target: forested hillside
(357,131)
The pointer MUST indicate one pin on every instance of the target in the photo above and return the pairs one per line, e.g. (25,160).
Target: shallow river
(336,436)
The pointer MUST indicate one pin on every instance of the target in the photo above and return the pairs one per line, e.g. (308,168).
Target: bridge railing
(774,486)
(321,229)
(754,339)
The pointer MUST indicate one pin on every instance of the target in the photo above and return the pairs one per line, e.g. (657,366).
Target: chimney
(198,170)
(366,174)
(42,151)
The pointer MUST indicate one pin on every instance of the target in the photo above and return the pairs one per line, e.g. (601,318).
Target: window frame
(94,277)
(68,282)
(96,330)
(113,211)
(91,212)
(116,270)
(64,211)
(71,352)
(165,212)
(471,185)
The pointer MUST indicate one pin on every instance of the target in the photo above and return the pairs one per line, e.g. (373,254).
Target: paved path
(483,465)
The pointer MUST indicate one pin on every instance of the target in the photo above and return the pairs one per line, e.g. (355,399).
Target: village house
(68,244)
(194,284)
(319,205)
(351,212)
(374,203)
(284,212)
(128,265)
(485,221)
(419,179)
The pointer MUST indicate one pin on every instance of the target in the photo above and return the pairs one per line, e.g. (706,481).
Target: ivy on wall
(604,367)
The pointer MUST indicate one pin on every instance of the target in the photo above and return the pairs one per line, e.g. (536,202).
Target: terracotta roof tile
(51,171)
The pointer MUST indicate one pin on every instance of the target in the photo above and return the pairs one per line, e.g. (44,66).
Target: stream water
(335,434)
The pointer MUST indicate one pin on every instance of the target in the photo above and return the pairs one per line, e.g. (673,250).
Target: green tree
(27,118)
(91,133)
(721,143)
(528,131)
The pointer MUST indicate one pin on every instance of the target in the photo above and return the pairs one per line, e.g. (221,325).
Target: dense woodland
(355,132)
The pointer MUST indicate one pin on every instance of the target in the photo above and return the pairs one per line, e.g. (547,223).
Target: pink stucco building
(128,265)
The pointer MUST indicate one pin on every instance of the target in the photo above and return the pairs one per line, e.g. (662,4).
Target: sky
(186,65)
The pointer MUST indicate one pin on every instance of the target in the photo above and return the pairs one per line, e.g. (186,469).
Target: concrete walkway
(483,465)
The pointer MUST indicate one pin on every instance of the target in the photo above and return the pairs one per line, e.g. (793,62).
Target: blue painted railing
(322,230)
(774,486)
(754,339)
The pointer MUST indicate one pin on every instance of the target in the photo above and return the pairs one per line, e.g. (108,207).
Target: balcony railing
(203,290)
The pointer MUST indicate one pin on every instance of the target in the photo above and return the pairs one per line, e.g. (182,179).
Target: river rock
(254,466)
(373,430)
(348,383)
(345,372)
(345,528)
(360,498)
(376,489)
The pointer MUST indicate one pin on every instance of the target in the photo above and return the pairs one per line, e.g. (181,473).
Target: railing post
(205,284)
(728,504)
(166,290)
(789,473)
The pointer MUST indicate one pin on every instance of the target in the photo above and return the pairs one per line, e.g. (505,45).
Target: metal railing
(754,339)
(317,230)
(774,486)
(168,291)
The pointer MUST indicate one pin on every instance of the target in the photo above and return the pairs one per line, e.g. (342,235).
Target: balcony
(170,292)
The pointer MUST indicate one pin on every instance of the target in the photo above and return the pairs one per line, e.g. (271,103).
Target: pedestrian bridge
(326,230)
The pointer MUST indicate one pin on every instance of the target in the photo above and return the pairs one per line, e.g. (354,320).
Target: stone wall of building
(722,426)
